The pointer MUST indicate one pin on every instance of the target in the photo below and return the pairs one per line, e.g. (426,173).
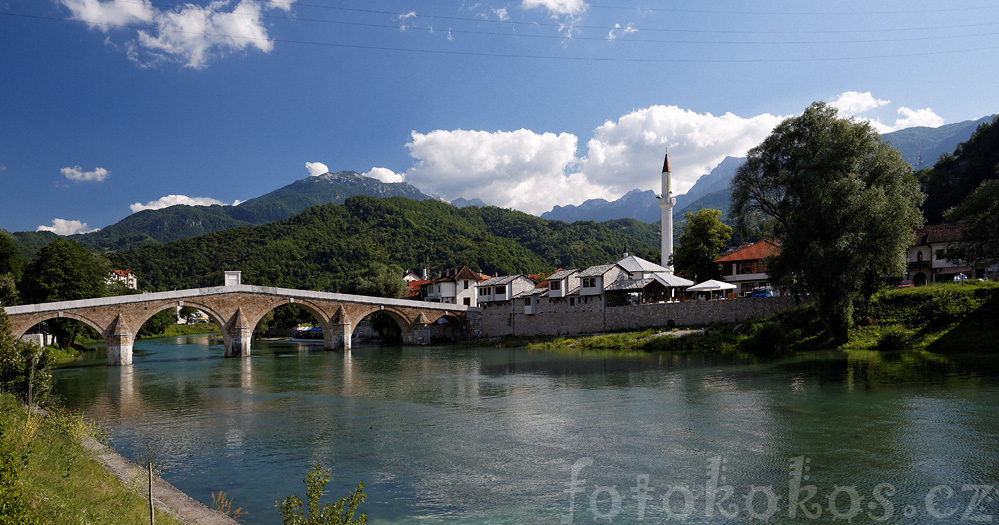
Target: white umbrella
(711,285)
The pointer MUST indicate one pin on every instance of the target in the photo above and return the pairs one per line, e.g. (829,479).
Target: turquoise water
(445,434)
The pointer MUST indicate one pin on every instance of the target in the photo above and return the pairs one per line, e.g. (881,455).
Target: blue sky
(108,107)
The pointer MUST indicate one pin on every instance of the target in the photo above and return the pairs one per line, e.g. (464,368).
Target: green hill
(956,175)
(327,247)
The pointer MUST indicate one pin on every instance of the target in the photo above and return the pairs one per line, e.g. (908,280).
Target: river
(495,435)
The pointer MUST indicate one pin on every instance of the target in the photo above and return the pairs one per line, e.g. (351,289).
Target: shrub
(893,338)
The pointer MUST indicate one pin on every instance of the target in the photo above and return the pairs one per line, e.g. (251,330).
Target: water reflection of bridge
(236,309)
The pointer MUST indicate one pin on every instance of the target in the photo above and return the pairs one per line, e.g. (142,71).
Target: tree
(703,237)
(980,239)
(842,201)
(382,280)
(64,271)
(25,368)
(339,513)
(10,259)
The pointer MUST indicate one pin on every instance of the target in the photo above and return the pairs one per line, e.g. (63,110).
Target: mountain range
(920,147)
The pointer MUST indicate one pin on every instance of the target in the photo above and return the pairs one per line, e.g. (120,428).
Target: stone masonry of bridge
(236,308)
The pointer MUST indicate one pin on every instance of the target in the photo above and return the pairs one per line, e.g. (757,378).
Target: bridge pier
(237,336)
(418,333)
(119,340)
(119,349)
(337,336)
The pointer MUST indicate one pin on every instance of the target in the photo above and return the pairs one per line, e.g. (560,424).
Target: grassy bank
(941,318)
(45,467)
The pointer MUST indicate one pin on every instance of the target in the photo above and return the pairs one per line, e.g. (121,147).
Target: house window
(555,285)
(501,290)
(938,255)
(466,284)
(745,267)
(468,301)
(919,256)
(527,301)
(484,291)
(589,282)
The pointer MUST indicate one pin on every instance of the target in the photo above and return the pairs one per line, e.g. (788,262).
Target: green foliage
(14,506)
(703,237)
(156,325)
(64,271)
(980,237)
(10,259)
(381,280)
(341,512)
(843,203)
(25,369)
(955,176)
(328,247)
(8,290)
(643,232)
(893,338)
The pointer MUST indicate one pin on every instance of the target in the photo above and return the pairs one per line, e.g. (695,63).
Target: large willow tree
(842,202)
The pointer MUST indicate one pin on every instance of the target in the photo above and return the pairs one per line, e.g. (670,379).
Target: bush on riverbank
(55,477)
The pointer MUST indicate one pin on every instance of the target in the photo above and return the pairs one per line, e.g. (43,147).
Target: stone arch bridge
(236,309)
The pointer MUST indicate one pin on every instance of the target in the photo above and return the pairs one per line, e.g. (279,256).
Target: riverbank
(47,467)
(940,318)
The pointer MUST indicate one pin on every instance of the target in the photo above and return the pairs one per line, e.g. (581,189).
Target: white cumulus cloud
(187,33)
(106,15)
(172,200)
(77,174)
(385,175)
(515,169)
(65,227)
(557,7)
(316,168)
(855,102)
(628,153)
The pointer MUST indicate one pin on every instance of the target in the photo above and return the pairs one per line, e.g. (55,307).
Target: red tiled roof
(753,252)
(414,287)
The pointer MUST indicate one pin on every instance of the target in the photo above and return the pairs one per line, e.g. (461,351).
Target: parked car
(763,291)
(905,284)
(960,278)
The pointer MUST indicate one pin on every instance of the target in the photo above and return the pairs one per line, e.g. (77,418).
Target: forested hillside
(328,247)
(955,176)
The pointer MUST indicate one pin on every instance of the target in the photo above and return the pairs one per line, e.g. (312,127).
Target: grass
(176,330)
(61,480)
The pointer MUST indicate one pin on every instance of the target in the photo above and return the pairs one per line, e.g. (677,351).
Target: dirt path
(166,497)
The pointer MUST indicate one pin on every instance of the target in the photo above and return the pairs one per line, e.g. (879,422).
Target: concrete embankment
(166,497)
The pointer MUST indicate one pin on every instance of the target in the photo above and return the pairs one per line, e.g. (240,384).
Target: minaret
(666,203)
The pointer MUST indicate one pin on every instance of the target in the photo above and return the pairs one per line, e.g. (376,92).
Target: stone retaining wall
(582,315)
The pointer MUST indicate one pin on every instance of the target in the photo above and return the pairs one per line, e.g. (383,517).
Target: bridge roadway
(236,309)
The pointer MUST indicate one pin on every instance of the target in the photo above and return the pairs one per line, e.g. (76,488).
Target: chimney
(426,264)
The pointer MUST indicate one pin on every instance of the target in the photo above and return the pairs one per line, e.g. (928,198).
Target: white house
(127,277)
(927,257)
(746,268)
(455,286)
(503,288)
(595,279)
(563,283)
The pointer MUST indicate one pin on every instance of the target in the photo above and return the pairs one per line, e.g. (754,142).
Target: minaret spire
(666,203)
